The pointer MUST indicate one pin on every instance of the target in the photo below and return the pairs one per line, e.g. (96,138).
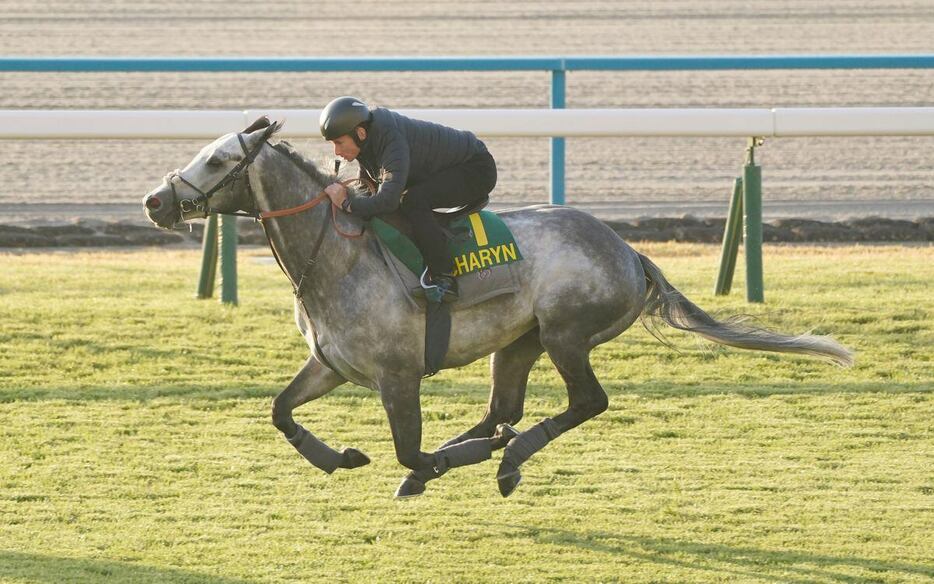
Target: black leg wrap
(523,446)
(462,454)
(414,483)
(315,451)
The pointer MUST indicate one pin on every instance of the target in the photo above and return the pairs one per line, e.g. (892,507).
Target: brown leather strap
(344,234)
(303,207)
(294,210)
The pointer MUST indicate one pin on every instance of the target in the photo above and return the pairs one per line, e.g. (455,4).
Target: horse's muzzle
(161,209)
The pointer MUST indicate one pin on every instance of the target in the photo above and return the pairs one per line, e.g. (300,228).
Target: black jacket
(399,151)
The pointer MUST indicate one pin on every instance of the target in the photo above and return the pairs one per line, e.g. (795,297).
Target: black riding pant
(463,184)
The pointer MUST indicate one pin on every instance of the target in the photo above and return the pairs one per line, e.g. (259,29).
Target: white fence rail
(744,122)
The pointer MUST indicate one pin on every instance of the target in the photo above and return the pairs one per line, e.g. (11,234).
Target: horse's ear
(261,122)
(272,129)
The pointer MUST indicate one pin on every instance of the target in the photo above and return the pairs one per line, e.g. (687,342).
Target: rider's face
(345,147)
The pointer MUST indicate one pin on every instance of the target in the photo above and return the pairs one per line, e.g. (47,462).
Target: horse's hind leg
(313,381)
(510,367)
(586,399)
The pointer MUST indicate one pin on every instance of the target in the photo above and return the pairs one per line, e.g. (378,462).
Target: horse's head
(214,181)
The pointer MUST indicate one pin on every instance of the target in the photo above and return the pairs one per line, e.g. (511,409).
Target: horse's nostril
(153,203)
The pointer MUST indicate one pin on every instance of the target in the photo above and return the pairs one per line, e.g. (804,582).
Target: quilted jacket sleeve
(394,160)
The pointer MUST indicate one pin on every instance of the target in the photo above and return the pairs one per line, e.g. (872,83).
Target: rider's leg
(459,185)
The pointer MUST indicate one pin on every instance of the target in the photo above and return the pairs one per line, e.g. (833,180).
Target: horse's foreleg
(403,408)
(510,367)
(313,381)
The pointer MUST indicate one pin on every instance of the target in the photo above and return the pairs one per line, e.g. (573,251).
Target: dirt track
(642,175)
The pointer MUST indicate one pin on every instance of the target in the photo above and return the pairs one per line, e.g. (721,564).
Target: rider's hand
(337,193)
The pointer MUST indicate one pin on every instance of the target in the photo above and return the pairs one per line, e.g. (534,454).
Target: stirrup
(444,291)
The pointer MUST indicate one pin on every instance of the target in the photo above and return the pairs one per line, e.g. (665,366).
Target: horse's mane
(313,170)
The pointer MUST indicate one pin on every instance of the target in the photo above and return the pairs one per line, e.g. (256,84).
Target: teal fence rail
(558,68)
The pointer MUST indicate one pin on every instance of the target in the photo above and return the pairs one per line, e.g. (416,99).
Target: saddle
(445,217)
(480,243)
(474,237)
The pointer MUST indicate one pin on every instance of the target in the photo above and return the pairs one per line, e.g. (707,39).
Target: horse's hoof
(508,478)
(353,458)
(409,487)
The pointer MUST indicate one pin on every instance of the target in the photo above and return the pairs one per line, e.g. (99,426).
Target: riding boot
(448,286)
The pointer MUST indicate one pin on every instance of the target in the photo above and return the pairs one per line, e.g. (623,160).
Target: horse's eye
(214,161)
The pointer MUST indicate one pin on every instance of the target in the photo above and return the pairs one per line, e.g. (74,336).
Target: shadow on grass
(726,561)
(461,391)
(53,569)
(136,393)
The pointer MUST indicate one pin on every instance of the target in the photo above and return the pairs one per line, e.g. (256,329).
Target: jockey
(417,166)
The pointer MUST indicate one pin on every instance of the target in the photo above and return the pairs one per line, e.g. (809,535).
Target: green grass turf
(135,443)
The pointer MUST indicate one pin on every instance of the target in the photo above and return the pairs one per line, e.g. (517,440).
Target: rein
(322,196)
(294,210)
(298,286)
(200,203)
(311,204)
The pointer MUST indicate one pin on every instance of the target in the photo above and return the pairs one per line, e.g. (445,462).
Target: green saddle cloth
(481,240)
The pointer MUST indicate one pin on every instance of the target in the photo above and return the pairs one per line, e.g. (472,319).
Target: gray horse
(580,286)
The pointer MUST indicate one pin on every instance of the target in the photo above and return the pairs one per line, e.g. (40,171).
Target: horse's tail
(664,301)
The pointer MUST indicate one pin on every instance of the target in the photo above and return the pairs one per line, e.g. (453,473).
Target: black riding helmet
(341,116)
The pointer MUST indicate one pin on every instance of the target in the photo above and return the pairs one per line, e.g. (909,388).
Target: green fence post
(558,87)
(752,210)
(208,259)
(229,260)
(732,233)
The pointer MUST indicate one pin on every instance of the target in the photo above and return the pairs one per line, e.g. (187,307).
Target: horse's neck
(279,183)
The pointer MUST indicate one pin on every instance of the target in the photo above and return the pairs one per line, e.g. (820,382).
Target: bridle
(201,202)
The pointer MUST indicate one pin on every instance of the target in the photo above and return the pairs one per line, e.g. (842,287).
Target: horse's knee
(282,417)
(594,405)
(601,405)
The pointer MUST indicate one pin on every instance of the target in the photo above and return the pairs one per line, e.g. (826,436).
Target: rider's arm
(394,171)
